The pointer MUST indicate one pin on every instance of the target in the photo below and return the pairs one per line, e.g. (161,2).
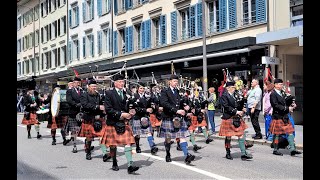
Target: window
(63,25)
(44,8)
(19,69)
(26,43)
(27,66)
(87,9)
(37,64)
(63,56)
(53,5)
(48,32)
(156,32)
(30,12)
(19,23)
(54,60)
(184,24)
(53,30)
(253,11)
(31,61)
(36,12)
(137,37)
(49,6)
(19,46)
(75,50)
(296,10)
(74,16)
(122,41)
(30,40)
(214,16)
(48,57)
(103,41)
(103,7)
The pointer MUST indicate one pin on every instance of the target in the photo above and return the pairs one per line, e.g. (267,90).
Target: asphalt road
(38,159)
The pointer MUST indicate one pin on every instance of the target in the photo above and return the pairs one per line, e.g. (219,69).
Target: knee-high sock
(292,146)
(104,149)
(74,138)
(204,131)
(128,153)
(192,139)
(113,154)
(275,142)
(37,128)
(29,129)
(137,139)
(88,145)
(150,141)
(63,134)
(184,147)
(53,134)
(242,146)
(167,146)
(227,144)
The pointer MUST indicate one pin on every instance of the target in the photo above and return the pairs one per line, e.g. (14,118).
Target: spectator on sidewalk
(267,108)
(254,105)
(211,108)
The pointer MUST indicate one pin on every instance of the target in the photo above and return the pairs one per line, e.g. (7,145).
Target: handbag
(144,121)
(236,122)
(176,124)
(120,127)
(97,125)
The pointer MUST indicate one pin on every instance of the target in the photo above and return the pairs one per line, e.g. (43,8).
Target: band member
(73,98)
(156,115)
(232,123)
(280,121)
(173,124)
(140,123)
(31,102)
(70,84)
(92,113)
(118,131)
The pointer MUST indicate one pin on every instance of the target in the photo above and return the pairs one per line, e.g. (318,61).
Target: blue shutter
(148,33)
(84,46)
(109,5)
(70,18)
(77,15)
(232,6)
(163,29)
(99,6)
(99,33)
(130,38)
(115,7)
(174,26)
(109,40)
(92,9)
(129,4)
(84,11)
(70,50)
(143,37)
(192,21)
(92,45)
(222,15)
(261,10)
(126,39)
(126,3)
(199,19)
(115,44)
(78,49)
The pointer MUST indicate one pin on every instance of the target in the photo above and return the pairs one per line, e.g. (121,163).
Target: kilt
(58,122)
(136,127)
(88,131)
(72,125)
(278,127)
(33,119)
(228,129)
(194,123)
(111,138)
(154,121)
(167,130)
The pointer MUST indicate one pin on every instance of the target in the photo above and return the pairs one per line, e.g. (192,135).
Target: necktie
(120,94)
(78,91)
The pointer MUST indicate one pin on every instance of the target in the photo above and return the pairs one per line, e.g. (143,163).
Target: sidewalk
(250,132)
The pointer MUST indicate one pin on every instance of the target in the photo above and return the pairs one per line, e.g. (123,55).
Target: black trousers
(255,120)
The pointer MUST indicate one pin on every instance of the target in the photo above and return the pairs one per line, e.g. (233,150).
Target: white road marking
(23,126)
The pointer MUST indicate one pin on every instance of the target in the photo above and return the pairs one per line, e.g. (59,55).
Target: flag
(75,72)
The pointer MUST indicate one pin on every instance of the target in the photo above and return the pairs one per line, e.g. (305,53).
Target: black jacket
(73,99)
(171,103)
(141,106)
(90,105)
(114,106)
(28,101)
(229,105)
(278,104)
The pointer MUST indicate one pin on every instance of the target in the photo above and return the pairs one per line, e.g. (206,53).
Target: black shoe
(138,150)
(277,153)
(66,141)
(189,158)
(91,148)
(171,142)
(154,150)
(257,136)
(38,136)
(248,145)
(294,152)
(29,136)
(115,167)
(179,148)
(74,150)
(196,148)
(132,169)
(53,142)
(209,140)
(168,158)
(106,157)
(245,157)
(228,156)
(88,156)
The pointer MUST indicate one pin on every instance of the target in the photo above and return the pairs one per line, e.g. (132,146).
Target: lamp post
(204,48)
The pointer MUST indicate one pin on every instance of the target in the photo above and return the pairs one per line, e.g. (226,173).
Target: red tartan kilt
(33,119)
(194,123)
(111,138)
(58,122)
(278,127)
(154,121)
(88,131)
(228,129)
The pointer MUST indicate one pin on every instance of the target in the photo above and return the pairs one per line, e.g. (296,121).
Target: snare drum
(43,115)
(59,104)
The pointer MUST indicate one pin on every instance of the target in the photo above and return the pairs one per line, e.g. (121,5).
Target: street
(38,159)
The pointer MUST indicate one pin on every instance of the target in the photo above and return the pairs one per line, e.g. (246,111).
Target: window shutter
(99,6)
(77,15)
(70,51)
(115,7)
(174,26)
(232,5)
(148,33)
(109,40)
(130,38)
(261,10)
(92,45)
(70,18)
(199,19)
(91,9)
(163,29)
(222,15)
(84,11)
(192,21)
(115,44)
(84,46)
(143,37)
(126,32)
(126,4)
(99,42)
